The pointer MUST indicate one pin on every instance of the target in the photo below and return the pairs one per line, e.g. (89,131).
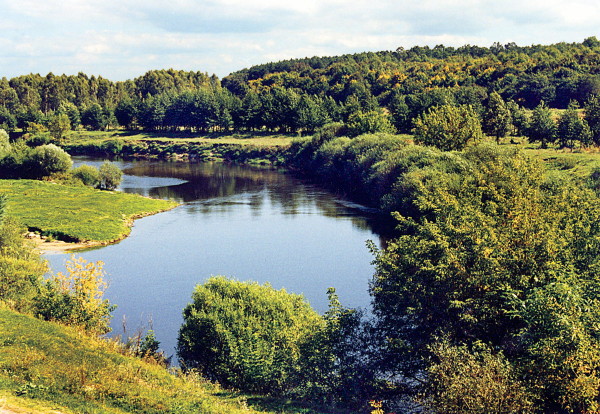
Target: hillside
(45,367)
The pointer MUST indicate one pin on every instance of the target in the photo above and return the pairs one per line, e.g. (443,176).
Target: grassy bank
(245,148)
(76,213)
(45,367)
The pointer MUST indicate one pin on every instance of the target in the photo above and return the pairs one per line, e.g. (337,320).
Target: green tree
(93,117)
(592,116)
(369,123)
(125,112)
(71,110)
(448,127)
(4,143)
(8,121)
(572,129)
(542,127)
(489,231)
(109,176)
(245,335)
(497,118)
(59,126)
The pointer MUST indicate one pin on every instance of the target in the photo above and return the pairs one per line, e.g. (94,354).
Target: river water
(243,222)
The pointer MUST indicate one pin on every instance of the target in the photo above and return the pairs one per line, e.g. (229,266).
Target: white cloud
(123,39)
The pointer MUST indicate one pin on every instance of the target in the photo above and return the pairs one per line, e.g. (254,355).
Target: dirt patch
(58,246)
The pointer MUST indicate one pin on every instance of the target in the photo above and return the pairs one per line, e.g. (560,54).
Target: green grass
(79,213)
(258,139)
(46,367)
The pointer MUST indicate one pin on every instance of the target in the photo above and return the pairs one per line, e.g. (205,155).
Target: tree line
(369,92)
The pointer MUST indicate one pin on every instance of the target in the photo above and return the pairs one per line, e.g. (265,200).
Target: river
(243,222)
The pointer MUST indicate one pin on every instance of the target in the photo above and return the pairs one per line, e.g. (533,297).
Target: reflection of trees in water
(212,187)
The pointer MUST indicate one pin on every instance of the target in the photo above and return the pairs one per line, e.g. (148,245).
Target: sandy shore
(58,246)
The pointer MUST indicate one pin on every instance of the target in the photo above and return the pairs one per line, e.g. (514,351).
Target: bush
(46,160)
(448,127)
(369,123)
(88,175)
(41,138)
(4,143)
(21,267)
(75,298)
(478,379)
(109,176)
(245,335)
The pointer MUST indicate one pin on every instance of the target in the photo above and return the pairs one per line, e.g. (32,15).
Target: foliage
(473,381)
(335,368)
(21,268)
(76,298)
(542,127)
(487,231)
(370,122)
(497,119)
(448,127)
(4,143)
(592,117)
(88,175)
(245,335)
(109,176)
(571,128)
(58,126)
(46,160)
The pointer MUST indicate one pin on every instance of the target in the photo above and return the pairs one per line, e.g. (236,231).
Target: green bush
(46,160)
(448,127)
(245,335)
(76,297)
(88,175)
(4,143)
(478,379)
(109,176)
(21,267)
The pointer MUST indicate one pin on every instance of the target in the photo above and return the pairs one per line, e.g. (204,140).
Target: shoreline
(43,246)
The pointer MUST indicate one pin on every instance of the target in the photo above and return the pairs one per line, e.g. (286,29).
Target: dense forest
(368,92)
(485,300)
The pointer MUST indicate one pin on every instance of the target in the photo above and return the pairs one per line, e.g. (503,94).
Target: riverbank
(258,148)
(78,216)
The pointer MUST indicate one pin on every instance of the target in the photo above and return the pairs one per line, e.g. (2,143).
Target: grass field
(48,368)
(76,213)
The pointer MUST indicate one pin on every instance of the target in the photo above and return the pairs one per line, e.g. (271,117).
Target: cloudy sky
(122,39)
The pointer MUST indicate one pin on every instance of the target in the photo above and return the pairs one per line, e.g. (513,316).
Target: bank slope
(45,367)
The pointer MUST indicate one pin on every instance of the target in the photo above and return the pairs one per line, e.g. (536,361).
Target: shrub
(41,138)
(478,379)
(46,160)
(448,127)
(245,335)
(369,123)
(109,176)
(4,143)
(21,267)
(75,298)
(88,175)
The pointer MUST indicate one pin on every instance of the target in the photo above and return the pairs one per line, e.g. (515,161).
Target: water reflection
(247,223)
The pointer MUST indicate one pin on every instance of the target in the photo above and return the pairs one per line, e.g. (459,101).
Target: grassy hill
(45,367)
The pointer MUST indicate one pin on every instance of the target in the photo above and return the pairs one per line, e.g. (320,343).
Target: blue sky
(122,39)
